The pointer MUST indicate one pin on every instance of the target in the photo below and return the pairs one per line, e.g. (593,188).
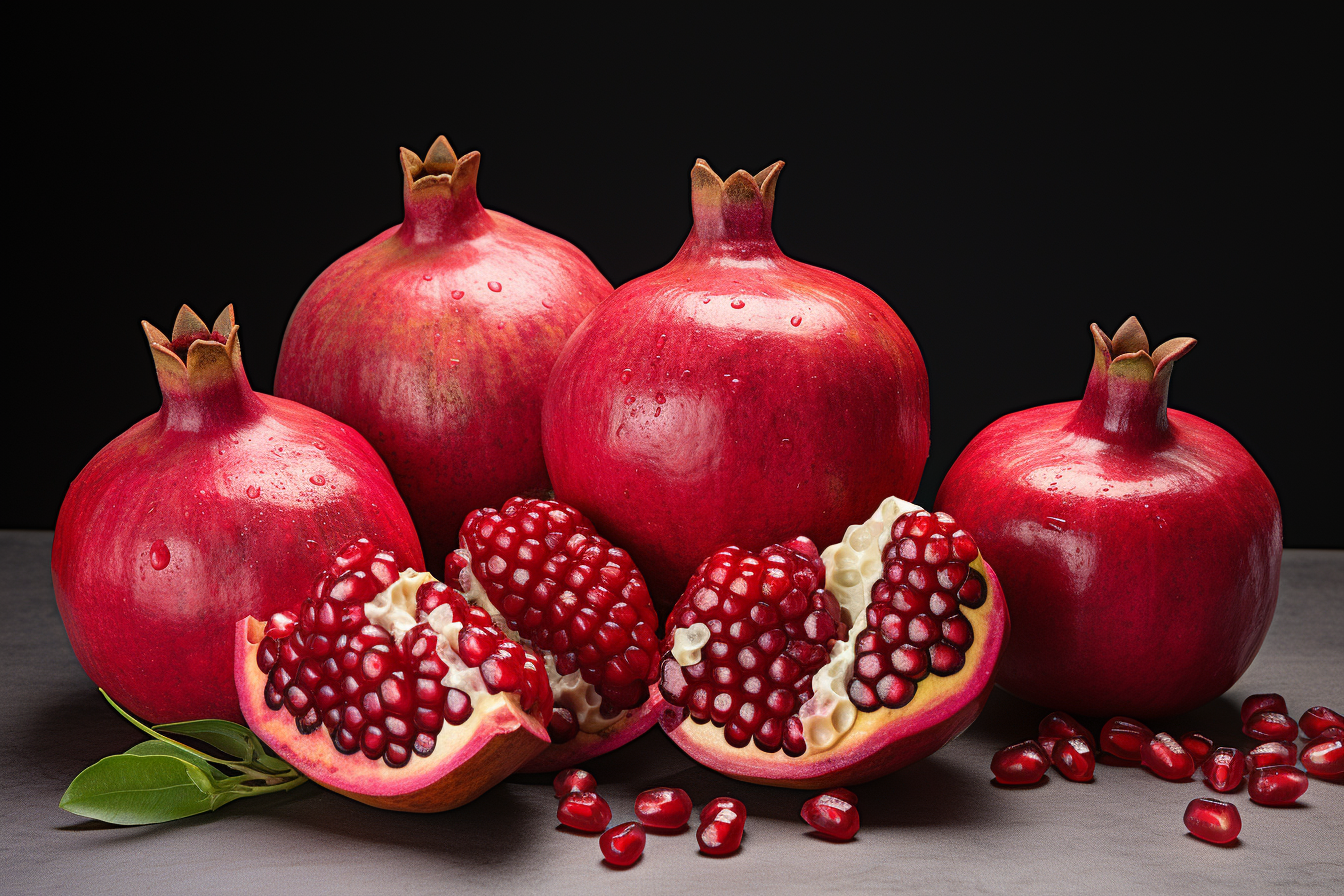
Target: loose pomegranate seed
(1276,785)
(1164,756)
(1224,769)
(1023,763)
(1124,738)
(623,844)
(1316,720)
(844,795)
(1270,726)
(1075,759)
(584,811)
(1323,755)
(1262,703)
(1060,725)
(722,823)
(1272,753)
(569,591)
(664,808)
(1048,744)
(832,817)
(772,624)
(1197,745)
(574,780)
(1213,820)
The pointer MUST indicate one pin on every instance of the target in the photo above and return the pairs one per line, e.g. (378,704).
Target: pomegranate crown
(1126,353)
(195,354)
(738,208)
(439,170)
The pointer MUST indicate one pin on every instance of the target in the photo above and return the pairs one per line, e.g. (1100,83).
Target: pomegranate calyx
(1126,396)
(733,211)
(201,365)
(439,193)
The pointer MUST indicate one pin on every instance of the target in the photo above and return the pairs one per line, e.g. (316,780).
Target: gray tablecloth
(937,826)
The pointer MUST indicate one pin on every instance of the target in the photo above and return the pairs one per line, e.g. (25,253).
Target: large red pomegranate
(784,666)
(219,506)
(435,340)
(734,395)
(1138,546)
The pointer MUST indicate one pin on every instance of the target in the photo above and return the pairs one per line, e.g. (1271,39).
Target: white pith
(569,691)
(394,609)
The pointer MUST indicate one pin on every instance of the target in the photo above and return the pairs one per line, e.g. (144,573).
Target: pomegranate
(1272,753)
(388,687)
(833,815)
(1164,756)
(223,504)
(1075,759)
(1276,785)
(722,824)
(664,808)
(1213,820)
(552,582)
(1257,703)
(1023,763)
(584,811)
(1323,755)
(789,667)
(624,844)
(573,780)
(435,340)
(1124,738)
(1317,720)
(1264,726)
(1224,769)
(1139,547)
(735,395)
(1197,745)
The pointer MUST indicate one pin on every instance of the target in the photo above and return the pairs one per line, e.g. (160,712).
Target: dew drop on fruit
(429,276)
(737,303)
(658,343)
(453,362)
(253,491)
(1055,524)
(457,293)
(310,544)
(320,446)
(317,479)
(626,374)
(785,444)
(660,398)
(494,285)
(706,299)
(158,555)
(796,320)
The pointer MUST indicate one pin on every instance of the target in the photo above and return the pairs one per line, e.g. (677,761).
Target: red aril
(224,504)
(722,823)
(1276,785)
(663,808)
(1266,726)
(1023,763)
(1257,703)
(624,844)
(1316,720)
(1164,756)
(435,340)
(1323,755)
(1213,820)
(1048,744)
(584,811)
(1059,725)
(1272,753)
(1075,759)
(1224,769)
(1116,489)
(574,780)
(1124,738)
(1197,745)
(832,816)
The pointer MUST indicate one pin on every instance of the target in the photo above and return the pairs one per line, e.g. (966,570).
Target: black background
(1002,189)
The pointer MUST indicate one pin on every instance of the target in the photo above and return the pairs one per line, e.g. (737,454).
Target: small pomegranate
(435,340)
(1075,759)
(1265,726)
(1213,820)
(1316,720)
(722,823)
(1262,703)
(624,844)
(1124,738)
(1224,769)
(833,815)
(1164,756)
(223,504)
(734,396)
(573,780)
(1276,785)
(584,811)
(1197,745)
(1023,763)
(799,669)
(1323,755)
(1110,518)
(663,808)
(1272,753)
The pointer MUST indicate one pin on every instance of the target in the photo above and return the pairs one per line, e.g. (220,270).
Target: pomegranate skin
(1138,547)
(734,396)
(435,340)
(223,505)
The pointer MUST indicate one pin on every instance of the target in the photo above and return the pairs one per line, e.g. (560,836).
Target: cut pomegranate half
(388,687)
(788,667)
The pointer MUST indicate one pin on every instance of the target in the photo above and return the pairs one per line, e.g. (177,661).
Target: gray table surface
(937,826)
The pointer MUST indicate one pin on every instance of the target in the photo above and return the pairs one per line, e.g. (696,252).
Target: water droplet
(685,373)
(1160,520)
(660,398)
(279,448)
(620,429)
(873,315)
(785,444)
(494,286)
(657,411)
(500,325)
(438,337)
(317,479)
(706,299)
(546,303)
(626,491)
(253,491)
(1055,523)
(629,399)
(320,446)
(737,303)
(158,555)
(453,362)
(429,276)
(796,320)
(626,374)
(457,293)
(150,510)
(310,544)
(658,343)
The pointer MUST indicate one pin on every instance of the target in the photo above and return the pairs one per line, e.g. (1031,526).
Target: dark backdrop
(1001,193)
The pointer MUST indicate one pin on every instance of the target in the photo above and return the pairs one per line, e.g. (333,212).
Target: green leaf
(167,748)
(131,789)
(228,737)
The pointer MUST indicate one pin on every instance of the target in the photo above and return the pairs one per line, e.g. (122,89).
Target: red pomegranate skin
(1138,546)
(435,340)
(224,504)
(734,396)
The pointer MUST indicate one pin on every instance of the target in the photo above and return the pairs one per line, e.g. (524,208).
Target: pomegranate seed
(1048,744)
(584,811)
(1074,759)
(563,727)
(1272,753)
(834,818)
(1276,785)
(1262,703)
(1323,756)
(722,823)
(1023,763)
(574,780)
(623,844)
(1062,725)
(1224,769)
(1316,720)
(1124,738)
(1197,745)
(844,795)
(1164,756)
(1213,820)
(664,808)
(1270,726)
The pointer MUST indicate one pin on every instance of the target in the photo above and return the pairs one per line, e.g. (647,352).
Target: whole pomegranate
(1138,546)
(735,395)
(435,339)
(219,506)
